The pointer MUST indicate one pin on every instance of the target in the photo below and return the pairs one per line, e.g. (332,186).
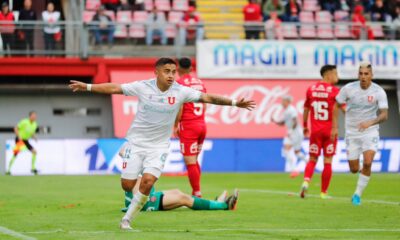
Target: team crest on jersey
(370,99)
(171,100)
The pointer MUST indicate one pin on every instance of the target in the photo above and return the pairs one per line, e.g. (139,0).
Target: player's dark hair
(31,112)
(164,61)
(185,63)
(327,68)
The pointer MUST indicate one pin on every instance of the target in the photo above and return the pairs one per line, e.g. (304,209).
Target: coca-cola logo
(268,106)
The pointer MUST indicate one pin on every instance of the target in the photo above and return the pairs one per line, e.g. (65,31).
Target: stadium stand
(138,30)
(174,18)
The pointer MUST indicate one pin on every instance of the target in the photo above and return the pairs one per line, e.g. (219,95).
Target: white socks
(137,204)
(361,184)
(291,160)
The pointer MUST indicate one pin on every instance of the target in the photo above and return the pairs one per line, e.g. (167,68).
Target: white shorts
(355,146)
(137,161)
(294,139)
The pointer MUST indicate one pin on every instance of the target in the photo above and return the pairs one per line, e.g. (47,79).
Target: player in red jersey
(320,103)
(190,126)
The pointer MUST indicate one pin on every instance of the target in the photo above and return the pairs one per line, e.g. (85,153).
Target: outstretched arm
(220,100)
(105,88)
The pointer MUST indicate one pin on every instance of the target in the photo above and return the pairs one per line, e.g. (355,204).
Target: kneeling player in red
(190,126)
(320,103)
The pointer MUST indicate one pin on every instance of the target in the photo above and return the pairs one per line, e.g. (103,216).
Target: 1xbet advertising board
(294,59)
(100,156)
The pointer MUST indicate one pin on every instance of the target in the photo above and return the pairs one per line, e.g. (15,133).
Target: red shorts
(322,141)
(191,137)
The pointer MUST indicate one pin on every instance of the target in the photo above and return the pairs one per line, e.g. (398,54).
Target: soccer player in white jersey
(294,138)
(364,99)
(149,136)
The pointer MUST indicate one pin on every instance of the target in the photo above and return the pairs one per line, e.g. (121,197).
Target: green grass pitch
(87,207)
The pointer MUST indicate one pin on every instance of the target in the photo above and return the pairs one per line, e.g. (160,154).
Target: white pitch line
(276,192)
(260,230)
(15,234)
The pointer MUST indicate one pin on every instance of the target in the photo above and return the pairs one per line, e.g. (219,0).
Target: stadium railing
(77,38)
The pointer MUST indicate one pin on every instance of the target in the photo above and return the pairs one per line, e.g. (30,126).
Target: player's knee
(127,185)
(354,169)
(186,199)
(146,185)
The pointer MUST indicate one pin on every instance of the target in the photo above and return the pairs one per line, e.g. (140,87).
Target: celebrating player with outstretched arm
(320,104)
(149,136)
(364,99)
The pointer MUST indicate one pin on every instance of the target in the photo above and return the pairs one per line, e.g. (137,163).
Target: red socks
(309,171)
(326,177)
(194,178)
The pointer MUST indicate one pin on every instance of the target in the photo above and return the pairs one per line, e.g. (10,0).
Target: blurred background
(258,49)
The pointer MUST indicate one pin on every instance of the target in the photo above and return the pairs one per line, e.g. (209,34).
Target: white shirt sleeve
(342,96)
(131,89)
(190,95)
(382,100)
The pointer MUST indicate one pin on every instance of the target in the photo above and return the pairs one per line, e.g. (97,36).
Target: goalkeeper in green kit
(25,130)
(172,199)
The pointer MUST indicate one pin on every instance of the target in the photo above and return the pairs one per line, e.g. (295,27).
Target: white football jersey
(156,112)
(362,105)
(289,114)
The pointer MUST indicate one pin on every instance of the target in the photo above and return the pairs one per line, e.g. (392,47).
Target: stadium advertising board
(242,59)
(225,122)
(100,156)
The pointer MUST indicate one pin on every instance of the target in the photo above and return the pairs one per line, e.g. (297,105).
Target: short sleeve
(307,102)
(382,100)
(342,96)
(131,89)
(190,95)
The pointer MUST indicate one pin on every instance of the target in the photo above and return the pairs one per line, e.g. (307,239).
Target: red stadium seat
(341,16)
(88,16)
(325,32)
(92,4)
(311,5)
(173,18)
(148,5)
(180,5)
(342,31)
(163,5)
(138,30)
(306,17)
(122,17)
(377,30)
(307,31)
(290,31)
(323,17)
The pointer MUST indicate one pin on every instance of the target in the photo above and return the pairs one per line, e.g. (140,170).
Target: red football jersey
(321,100)
(192,111)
